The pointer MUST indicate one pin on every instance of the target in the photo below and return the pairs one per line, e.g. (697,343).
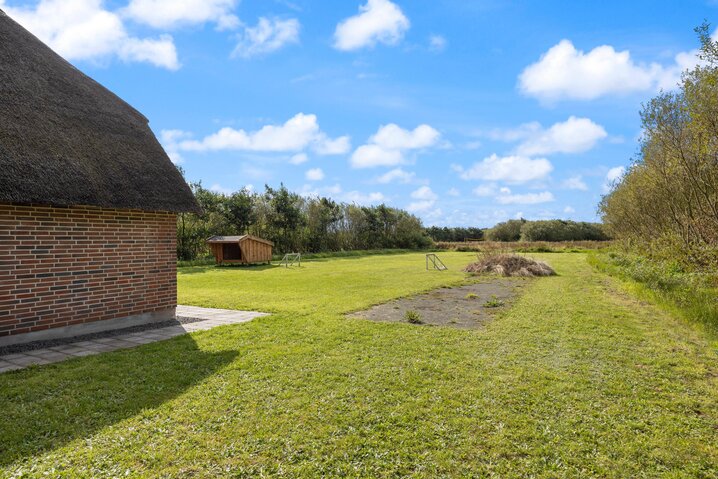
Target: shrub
(506,231)
(413,317)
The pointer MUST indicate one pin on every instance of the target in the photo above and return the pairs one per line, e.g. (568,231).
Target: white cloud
(379,21)
(424,193)
(613,176)
(369,156)
(615,173)
(396,175)
(296,134)
(393,137)
(170,142)
(315,174)
(575,183)
(426,199)
(386,147)
(437,43)
(453,192)
(267,36)
(419,206)
(84,30)
(564,72)
(298,159)
(337,146)
(526,199)
(512,169)
(569,210)
(361,198)
(575,135)
(173,13)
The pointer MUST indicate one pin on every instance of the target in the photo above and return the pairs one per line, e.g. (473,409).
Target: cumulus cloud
(424,193)
(84,30)
(379,21)
(393,137)
(387,146)
(615,173)
(453,192)
(564,72)
(511,169)
(296,134)
(170,140)
(173,13)
(426,199)
(397,175)
(569,210)
(336,146)
(269,35)
(575,183)
(370,156)
(526,199)
(315,174)
(575,135)
(613,176)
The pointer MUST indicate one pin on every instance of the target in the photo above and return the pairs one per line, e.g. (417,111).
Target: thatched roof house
(88,199)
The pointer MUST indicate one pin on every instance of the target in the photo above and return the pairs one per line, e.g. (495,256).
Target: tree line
(666,205)
(546,230)
(295,223)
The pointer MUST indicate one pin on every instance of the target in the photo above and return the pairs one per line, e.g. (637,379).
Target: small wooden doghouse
(245,249)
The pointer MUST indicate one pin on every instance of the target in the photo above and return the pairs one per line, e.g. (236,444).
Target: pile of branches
(510,265)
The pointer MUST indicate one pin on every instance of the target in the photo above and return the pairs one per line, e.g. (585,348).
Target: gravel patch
(50,343)
(464,307)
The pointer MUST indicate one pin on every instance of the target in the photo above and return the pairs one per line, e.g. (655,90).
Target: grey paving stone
(28,360)
(212,318)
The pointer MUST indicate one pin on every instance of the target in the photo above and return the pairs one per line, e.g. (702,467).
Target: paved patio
(211,318)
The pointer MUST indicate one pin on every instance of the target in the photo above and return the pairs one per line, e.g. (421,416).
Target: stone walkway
(211,319)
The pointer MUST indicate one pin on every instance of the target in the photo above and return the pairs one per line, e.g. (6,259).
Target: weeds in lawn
(494,302)
(413,317)
(472,296)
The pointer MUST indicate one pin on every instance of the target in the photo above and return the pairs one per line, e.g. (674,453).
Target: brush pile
(510,265)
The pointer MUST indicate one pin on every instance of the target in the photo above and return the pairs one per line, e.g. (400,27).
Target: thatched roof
(237,239)
(66,140)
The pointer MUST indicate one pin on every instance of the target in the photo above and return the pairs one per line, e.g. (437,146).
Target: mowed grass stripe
(576,380)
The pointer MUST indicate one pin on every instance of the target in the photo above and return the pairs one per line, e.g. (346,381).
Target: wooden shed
(245,249)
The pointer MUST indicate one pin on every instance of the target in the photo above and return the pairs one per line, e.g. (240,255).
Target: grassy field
(577,379)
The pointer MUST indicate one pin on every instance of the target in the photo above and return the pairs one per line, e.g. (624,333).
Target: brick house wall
(67,266)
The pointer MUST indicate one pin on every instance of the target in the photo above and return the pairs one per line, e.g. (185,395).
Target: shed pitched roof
(66,140)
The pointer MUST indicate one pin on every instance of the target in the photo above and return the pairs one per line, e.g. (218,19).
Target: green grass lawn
(577,379)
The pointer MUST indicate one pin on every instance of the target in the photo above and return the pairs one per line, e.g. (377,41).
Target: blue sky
(464,112)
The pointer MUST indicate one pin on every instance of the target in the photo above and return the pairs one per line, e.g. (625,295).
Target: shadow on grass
(45,407)
(226,268)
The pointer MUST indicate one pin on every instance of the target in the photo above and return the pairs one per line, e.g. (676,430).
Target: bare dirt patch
(465,307)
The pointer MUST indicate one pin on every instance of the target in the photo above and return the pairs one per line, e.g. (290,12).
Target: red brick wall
(64,266)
